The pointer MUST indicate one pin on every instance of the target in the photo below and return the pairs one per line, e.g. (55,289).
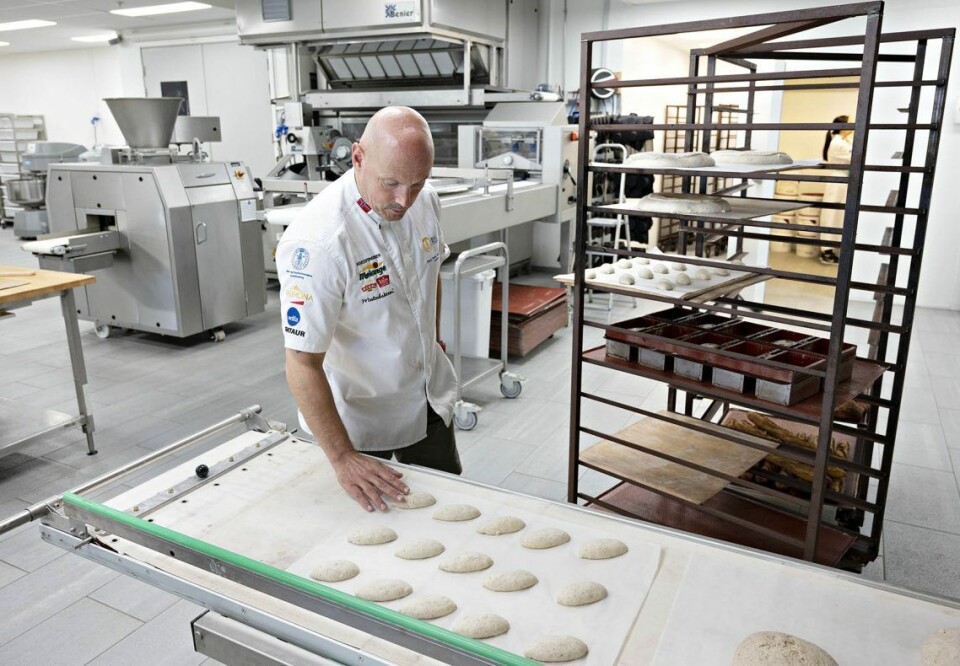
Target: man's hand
(365,479)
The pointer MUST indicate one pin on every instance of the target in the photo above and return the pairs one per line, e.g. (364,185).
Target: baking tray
(642,286)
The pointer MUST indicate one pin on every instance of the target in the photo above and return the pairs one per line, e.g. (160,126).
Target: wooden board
(672,478)
(10,283)
(42,283)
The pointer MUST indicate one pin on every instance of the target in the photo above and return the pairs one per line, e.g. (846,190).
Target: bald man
(360,302)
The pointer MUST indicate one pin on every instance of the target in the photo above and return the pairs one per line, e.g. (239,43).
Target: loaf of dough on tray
(683,204)
(761,157)
(652,160)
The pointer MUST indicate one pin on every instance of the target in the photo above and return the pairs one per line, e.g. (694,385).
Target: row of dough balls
(548,537)
(641,270)
(550,648)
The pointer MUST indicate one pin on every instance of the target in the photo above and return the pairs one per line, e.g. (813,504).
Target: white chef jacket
(363,290)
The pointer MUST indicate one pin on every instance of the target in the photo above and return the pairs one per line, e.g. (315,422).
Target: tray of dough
(726,168)
(740,209)
(667,275)
(287,510)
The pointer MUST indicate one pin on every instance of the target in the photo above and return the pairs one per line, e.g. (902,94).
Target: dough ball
(510,581)
(466,563)
(641,261)
(677,266)
(606,269)
(428,607)
(501,525)
(556,648)
(590,275)
(626,278)
(645,273)
(776,648)
(683,278)
(544,538)
(723,272)
(660,268)
(415,499)
(702,274)
(942,648)
(334,571)
(581,594)
(602,549)
(625,263)
(420,549)
(485,625)
(372,536)
(384,590)
(664,284)
(455,513)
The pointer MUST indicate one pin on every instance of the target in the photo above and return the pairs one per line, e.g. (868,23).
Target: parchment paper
(726,598)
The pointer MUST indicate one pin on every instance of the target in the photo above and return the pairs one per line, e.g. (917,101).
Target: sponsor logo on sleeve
(293,322)
(298,295)
(293,317)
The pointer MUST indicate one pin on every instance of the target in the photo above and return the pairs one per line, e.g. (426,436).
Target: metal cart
(472,369)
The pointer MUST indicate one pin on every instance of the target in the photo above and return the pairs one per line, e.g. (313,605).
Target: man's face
(390,178)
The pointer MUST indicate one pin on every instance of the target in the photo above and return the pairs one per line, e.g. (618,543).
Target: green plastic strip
(292,580)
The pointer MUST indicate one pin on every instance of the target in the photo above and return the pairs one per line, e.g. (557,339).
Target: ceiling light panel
(106,37)
(25,25)
(154,10)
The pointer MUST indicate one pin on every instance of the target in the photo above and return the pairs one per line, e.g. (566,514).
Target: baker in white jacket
(836,150)
(360,303)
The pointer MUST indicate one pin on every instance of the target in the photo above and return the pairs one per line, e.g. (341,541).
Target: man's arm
(363,477)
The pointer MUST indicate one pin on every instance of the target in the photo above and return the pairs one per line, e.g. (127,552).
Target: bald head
(392,160)
(395,128)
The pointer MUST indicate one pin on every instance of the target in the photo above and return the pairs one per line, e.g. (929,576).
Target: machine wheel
(218,335)
(104,331)
(468,422)
(511,389)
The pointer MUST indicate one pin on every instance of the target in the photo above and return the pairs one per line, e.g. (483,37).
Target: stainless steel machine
(454,61)
(174,240)
(30,193)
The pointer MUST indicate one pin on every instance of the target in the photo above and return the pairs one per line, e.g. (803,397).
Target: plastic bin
(782,245)
(476,301)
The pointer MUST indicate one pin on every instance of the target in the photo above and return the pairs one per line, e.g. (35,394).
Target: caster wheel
(468,422)
(511,390)
(103,331)
(218,335)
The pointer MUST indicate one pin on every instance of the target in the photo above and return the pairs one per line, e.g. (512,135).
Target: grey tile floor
(146,392)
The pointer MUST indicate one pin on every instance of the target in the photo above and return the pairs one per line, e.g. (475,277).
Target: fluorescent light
(4,43)
(152,10)
(24,25)
(106,37)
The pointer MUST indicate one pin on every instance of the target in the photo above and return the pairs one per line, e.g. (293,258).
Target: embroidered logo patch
(300,259)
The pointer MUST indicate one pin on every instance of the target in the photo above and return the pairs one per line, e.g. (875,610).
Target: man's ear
(357,155)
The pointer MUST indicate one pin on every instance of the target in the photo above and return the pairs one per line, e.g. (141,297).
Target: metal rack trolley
(856,512)
(472,369)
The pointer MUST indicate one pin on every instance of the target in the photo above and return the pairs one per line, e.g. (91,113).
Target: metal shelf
(877,386)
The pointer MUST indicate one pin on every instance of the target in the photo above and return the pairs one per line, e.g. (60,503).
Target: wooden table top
(39,283)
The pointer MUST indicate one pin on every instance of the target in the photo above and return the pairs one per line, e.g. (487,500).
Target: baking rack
(808,519)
